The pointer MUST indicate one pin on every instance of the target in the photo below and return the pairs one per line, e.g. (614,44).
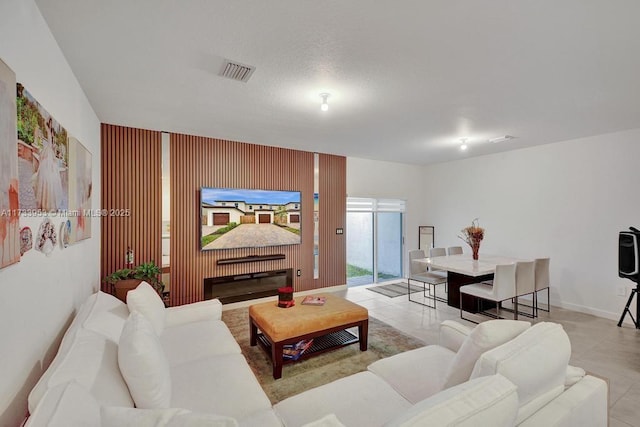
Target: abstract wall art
(42,157)
(9,187)
(80,188)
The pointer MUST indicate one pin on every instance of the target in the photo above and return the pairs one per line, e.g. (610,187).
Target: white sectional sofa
(204,366)
(139,364)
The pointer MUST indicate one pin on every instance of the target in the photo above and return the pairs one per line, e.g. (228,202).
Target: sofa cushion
(583,404)
(452,335)
(210,309)
(415,374)
(573,375)
(65,405)
(147,301)
(484,337)
(223,385)
(327,421)
(535,361)
(262,418)
(107,316)
(197,340)
(91,361)
(362,399)
(488,401)
(172,417)
(144,364)
(68,340)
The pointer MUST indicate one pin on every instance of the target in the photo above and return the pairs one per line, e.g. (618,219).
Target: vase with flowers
(473,235)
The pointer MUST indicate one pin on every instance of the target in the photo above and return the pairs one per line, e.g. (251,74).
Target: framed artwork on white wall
(9,187)
(80,188)
(425,238)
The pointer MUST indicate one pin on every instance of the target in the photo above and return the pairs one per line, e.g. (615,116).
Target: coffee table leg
(253,333)
(276,359)
(363,334)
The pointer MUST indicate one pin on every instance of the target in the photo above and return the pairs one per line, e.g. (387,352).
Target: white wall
(565,200)
(376,179)
(40,294)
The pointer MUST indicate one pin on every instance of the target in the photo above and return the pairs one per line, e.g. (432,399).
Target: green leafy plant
(148,272)
(29,118)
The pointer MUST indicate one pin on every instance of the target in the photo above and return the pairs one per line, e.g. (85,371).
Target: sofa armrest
(453,334)
(194,312)
(583,404)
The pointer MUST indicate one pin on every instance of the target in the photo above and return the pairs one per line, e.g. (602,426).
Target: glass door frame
(375,223)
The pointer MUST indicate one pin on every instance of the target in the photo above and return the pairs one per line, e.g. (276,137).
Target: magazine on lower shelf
(294,351)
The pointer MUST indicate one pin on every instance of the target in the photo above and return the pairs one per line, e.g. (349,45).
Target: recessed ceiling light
(501,138)
(464,144)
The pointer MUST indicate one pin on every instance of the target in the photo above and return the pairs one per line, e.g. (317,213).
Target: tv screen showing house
(232,218)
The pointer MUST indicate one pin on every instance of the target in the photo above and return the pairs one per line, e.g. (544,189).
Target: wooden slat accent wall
(333,215)
(131,182)
(207,162)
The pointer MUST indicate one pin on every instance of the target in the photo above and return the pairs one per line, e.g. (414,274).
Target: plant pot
(121,288)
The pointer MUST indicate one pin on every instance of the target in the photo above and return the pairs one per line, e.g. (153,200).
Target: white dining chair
(525,283)
(419,272)
(542,282)
(436,252)
(454,250)
(504,288)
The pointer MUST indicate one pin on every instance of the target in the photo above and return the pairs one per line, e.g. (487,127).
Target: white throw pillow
(574,374)
(65,405)
(143,364)
(92,362)
(535,361)
(484,337)
(107,316)
(487,401)
(146,300)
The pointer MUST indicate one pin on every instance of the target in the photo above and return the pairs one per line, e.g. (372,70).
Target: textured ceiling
(407,78)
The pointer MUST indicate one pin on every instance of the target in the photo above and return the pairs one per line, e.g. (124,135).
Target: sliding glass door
(374,240)
(359,248)
(389,245)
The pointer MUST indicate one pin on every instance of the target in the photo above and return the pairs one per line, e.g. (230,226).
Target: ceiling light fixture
(464,144)
(324,106)
(501,138)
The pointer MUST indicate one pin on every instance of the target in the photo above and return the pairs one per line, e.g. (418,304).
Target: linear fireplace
(242,287)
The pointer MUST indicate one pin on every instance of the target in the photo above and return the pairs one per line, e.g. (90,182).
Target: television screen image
(234,218)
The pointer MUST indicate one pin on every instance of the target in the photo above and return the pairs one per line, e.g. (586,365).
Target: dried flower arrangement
(473,235)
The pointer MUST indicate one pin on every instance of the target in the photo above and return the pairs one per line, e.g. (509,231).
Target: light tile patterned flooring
(598,345)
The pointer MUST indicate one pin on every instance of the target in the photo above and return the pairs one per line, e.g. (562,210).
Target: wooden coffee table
(326,324)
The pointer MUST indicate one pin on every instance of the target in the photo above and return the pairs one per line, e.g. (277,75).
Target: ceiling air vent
(236,71)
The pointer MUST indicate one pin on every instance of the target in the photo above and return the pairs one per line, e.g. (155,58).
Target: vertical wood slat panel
(333,215)
(131,196)
(131,178)
(207,162)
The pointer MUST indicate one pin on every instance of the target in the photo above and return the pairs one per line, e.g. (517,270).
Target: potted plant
(122,281)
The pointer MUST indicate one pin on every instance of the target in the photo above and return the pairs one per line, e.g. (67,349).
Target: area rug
(384,341)
(395,289)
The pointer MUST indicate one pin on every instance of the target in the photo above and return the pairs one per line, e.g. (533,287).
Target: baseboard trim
(595,312)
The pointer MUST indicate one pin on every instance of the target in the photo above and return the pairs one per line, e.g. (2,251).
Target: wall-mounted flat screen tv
(232,218)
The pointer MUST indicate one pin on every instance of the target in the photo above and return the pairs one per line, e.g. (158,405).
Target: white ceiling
(407,78)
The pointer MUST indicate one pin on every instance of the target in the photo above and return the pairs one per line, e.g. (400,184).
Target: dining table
(463,270)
